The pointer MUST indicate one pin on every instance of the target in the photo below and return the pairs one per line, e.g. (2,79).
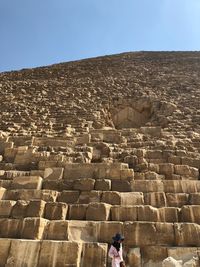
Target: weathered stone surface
(187,234)
(86,184)
(94,254)
(4,251)
(23,253)
(98,212)
(27,182)
(59,254)
(35,208)
(56,230)
(77,212)
(102,185)
(53,173)
(68,197)
(33,228)
(19,209)
(55,211)
(6,208)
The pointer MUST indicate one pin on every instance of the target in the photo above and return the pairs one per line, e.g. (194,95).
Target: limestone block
(126,174)
(94,254)
(148,213)
(134,257)
(174,160)
(147,186)
(182,253)
(37,173)
(77,211)
(33,228)
(19,209)
(56,230)
(155,199)
(132,198)
(111,197)
(124,213)
(153,167)
(152,256)
(55,211)
(2,193)
(194,199)
(89,196)
(167,169)
(176,200)
(83,139)
(148,233)
(154,154)
(151,175)
(103,185)
(121,186)
(10,228)
(35,208)
(185,170)
(169,214)
(27,182)
(5,184)
(82,231)
(187,234)
(85,184)
(4,251)
(78,170)
(23,253)
(171,262)
(59,254)
(6,208)
(190,214)
(53,173)
(106,230)
(68,196)
(191,162)
(98,212)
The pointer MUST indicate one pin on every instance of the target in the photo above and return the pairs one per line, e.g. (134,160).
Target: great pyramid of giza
(96,147)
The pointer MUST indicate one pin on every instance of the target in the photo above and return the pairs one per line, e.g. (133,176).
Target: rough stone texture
(99,146)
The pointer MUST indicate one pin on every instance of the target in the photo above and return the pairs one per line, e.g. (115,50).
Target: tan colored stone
(94,254)
(148,233)
(85,184)
(190,214)
(35,208)
(59,254)
(87,197)
(68,197)
(56,230)
(55,211)
(113,198)
(176,200)
(152,256)
(2,192)
(19,209)
(187,234)
(103,185)
(53,173)
(98,212)
(6,208)
(134,257)
(10,228)
(33,228)
(23,253)
(132,198)
(155,199)
(77,211)
(124,213)
(106,230)
(27,182)
(4,251)
(82,231)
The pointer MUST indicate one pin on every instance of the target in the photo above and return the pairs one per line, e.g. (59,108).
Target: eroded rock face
(96,147)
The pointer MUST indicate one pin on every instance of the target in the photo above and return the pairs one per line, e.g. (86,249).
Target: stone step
(136,233)
(97,211)
(155,199)
(39,253)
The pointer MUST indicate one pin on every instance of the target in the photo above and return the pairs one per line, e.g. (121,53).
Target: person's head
(118,238)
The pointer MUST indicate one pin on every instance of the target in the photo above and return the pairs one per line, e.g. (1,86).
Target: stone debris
(99,146)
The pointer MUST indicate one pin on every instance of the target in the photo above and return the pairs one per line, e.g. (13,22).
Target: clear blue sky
(42,32)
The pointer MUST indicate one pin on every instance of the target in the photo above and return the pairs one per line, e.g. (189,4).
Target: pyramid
(96,147)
